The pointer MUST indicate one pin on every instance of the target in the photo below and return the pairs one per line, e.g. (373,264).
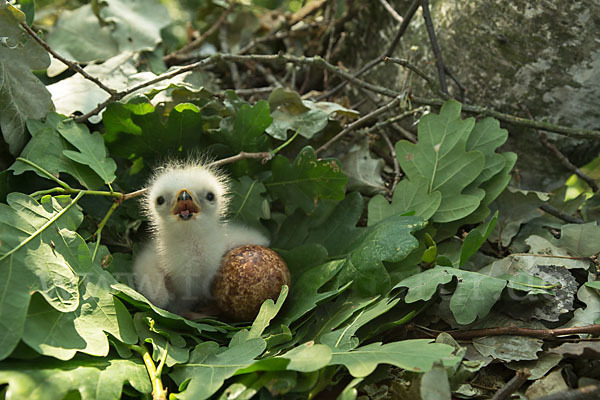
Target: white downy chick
(186,205)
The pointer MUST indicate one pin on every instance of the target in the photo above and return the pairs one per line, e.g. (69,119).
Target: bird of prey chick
(186,205)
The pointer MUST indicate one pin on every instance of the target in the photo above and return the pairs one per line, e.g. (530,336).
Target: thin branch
(583,393)
(176,56)
(73,66)
(513,385)
(529,123)
(233,68)
(461,88)
(167,75)
(517,331)
(397,172)
(332,10)
(560,215)
(361,121)
(417,71)
(391,10)
(271,79)
(281,35)
(439,62)
(567,164)
(562,158)
(64,185)
(264,156)
(412,9)
(253,91)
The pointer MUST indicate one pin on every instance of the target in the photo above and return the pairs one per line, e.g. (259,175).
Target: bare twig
(268,75)
(332,14)
(461,88)
(397,172)
(361,121)
(253,91)
(513,385)
(439,62)
(417,71)
(562,158)
(586,392)
(307,10)
(72,65)
(233,69)
(412,9)
(263,156)
(561,215)
(529,123)
(567,164)
(391,10)
(281,35)
(515,330)
(176,56)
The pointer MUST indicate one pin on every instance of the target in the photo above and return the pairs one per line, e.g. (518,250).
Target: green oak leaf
(291,113)
(516,207)
(136,24)
(410,195)
(493,188)
(249,127)
(339,229)
(60,333)
(441,158)
(486,137)
(475,239)
(581,240)
(417,355)
(389,240)
(92,151)
(34,267)
(46,149)
(22,95)
(474,296)
(305,181)
(94,41)
(307,357)
(138,130)
(306,293)
(210,365)
(90,377)
(343,338)
(248,203)
(363,171)
(509,347)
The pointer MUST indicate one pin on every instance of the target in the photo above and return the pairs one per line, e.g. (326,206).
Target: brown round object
(248,276)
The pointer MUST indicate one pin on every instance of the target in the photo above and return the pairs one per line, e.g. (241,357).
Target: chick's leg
(150,279)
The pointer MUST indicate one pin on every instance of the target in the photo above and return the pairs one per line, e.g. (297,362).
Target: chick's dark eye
(160,200)
(210,196)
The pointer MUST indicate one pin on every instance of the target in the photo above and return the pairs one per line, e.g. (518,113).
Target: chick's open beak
(185,206)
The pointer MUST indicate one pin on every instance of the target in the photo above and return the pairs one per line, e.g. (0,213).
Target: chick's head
(183,194)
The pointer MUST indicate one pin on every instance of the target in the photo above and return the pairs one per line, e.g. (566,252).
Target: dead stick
(72,65)
(513,385)
(517,331)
